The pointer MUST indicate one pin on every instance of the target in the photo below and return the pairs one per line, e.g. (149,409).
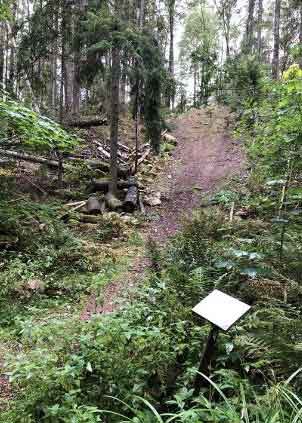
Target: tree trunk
(29,158)
(87,122)
(115,82)
(259,27)
(54,59)
(68,76)
(137,114)
(131,200)
(276,50)
(250,24)
(63,68)
(123,89)
(171,6)
(76,93)
(102,185)
(300,36)
(2,53)
(195,85)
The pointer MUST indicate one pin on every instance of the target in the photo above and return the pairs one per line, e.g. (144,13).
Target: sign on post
(223,311)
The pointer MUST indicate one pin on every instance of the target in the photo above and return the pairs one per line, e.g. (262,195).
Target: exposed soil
(204,158)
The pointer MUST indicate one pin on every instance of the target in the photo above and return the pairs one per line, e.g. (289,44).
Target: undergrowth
(139,363)
(69,370)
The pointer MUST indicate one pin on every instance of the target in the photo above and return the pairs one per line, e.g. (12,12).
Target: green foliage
(275,126)
(278,402)
(67,369)
(36,132)
(152,76)
(39,248)
(5,13)
(242,81)
(199,50)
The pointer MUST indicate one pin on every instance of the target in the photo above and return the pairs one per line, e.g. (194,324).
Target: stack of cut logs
(128,201)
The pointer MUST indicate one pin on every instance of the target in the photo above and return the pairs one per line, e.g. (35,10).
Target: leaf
(249,271)
(89,367)
(279,221)
(252,272)
(224,264)
(229,347)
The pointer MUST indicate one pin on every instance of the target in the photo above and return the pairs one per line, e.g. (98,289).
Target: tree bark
(276,50)
(141,20)
(76,93)
(115,81)
(171,98)
(300,35)
(250,24)
(259,27)
(102,185)
(93,206)
(54,60)
(87,122)
(28,158)
(131,200)
(97,164)
(63,68)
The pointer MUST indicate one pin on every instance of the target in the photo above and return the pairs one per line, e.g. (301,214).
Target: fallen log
(4,163)
(93,206)
(103,152)
(140,161)
(92,219)
(131,200)
(96,164)
(113,202)
(102,185)
(88,122)
(74,204)
(123,147)
(28,158)
(65,216)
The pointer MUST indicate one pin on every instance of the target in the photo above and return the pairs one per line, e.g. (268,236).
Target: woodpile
(100,198)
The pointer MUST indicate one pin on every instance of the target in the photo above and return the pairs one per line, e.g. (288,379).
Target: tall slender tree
(115,104)
(250,27)
(259,27)
(172,10)
(276,33)
(225,10)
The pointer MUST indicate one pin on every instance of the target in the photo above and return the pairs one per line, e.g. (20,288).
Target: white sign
(221,309)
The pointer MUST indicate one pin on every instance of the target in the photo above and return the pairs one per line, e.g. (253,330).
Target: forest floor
(204,159)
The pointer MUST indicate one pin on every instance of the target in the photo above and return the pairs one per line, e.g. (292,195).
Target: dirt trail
(204,158)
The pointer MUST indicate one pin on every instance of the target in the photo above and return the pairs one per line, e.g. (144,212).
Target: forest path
(204,158)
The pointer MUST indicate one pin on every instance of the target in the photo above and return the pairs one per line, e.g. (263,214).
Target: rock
(153,199)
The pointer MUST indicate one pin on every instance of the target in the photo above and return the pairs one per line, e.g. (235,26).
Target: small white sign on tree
(221,309)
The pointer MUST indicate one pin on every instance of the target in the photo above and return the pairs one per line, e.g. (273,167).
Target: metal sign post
(223,311)
(206,359)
